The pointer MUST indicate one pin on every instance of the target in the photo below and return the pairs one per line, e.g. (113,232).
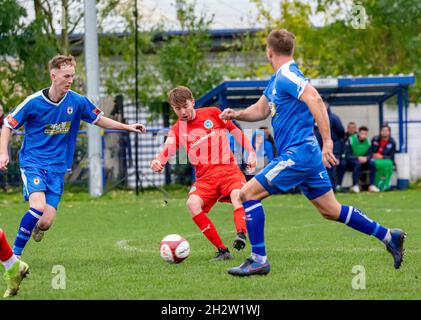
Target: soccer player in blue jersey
(51,118)
(294,104)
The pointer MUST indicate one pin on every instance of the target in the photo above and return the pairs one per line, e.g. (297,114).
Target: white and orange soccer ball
(174,248)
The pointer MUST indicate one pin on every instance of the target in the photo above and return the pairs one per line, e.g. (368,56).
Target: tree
(25,48)
(166,60)
(184,60)
(389,42)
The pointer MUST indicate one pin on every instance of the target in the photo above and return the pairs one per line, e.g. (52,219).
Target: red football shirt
(205,140)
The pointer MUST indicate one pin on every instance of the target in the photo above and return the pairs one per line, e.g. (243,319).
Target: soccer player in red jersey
(204,137)
(16,269)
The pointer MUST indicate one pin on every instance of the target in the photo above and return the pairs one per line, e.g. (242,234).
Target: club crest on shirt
(208,124)
(69,110)
(36,181)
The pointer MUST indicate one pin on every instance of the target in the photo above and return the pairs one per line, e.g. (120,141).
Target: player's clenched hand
(136,127)
(4,161)
(156,166)
(229,114)
(251,162)
(328,157)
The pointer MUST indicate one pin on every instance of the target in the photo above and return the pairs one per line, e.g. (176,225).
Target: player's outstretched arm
(6,132)
(170,148)
(108,123)
(241,138)
(156,165)
(256,112)
(317,108)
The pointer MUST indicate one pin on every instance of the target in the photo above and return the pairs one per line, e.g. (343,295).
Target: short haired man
(203,135)
(357,158)
(52,118)
(294,104)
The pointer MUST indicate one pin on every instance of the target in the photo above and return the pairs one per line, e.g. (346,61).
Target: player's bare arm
(6,132)
(108,123)
(315,103)
(169,149)
(256,112)
(244,142)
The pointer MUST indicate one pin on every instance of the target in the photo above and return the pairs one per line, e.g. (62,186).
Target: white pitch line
(124,245)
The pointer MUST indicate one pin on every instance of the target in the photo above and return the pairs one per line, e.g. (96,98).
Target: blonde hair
(60,61)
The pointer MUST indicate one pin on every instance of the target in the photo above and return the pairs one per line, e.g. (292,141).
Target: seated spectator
(337,134)
(383,148)
(357,158)
(351,129)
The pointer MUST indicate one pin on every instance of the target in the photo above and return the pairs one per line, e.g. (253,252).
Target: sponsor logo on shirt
(202,139)
(208,124)
(272,108)
(57,128)
(12,121)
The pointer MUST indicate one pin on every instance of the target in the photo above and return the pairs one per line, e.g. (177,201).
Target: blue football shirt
(51,129)
(292,120)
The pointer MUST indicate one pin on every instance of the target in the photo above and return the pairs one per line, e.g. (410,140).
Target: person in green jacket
(358,154)
(383,148)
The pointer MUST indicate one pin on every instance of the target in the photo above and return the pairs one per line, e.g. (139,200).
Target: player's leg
(198,210)
(16,269)
(44,223)
(55,188)
(37,206)
(34,187)
(282,173)
(251,195)
(331,209)
(230,186)
(239,220)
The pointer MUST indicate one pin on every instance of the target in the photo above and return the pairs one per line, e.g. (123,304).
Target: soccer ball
(174,248)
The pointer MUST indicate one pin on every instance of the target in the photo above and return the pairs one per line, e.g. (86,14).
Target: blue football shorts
(51,183)
(298,167)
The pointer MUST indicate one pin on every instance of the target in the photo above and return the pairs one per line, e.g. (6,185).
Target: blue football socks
(357,220)
(27,223)
(255,221)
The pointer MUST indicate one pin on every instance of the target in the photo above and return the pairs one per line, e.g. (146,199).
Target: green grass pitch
(109,248)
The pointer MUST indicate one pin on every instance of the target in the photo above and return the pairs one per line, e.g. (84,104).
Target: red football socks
(208,229)
(5,250)
(239,220)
